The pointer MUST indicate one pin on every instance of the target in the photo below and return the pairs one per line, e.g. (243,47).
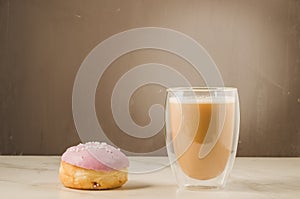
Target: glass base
(200,187)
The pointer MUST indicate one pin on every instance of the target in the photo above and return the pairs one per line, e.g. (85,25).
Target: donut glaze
(96,156)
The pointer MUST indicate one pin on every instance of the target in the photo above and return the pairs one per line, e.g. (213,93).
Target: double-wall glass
(202,129)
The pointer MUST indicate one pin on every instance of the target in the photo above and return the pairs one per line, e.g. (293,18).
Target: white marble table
(37,177)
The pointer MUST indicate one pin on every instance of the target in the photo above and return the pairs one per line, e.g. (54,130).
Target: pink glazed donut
(93,165)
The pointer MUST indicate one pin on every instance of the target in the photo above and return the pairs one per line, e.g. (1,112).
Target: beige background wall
(256,45)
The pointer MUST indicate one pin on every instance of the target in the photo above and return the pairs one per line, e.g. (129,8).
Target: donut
(94,166)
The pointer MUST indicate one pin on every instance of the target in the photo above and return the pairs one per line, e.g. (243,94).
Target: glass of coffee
(202,129)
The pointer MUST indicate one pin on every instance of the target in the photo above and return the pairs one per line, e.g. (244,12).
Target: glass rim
(200,89)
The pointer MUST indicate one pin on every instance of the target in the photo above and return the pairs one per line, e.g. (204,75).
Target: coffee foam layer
(202,100)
